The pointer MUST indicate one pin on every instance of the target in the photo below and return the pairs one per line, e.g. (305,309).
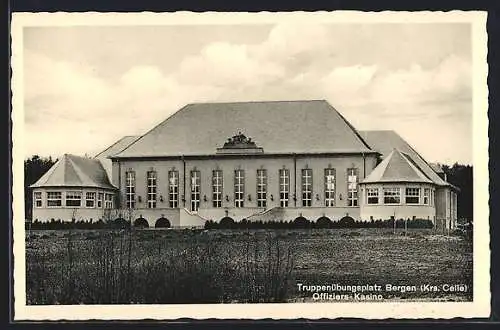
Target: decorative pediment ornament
(240,143)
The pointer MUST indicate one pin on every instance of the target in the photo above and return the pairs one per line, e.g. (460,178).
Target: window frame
(173,189)
(330,199)
(93,200)
(195,190)
(37,197)
(261,187)
(108,202)
(307,187)
(52,199)
(100,200)
(239,188)
(130,189)
(152,188)
(426,197)
(70,196)
(284,186)
(417,196)
(393,189)
(217,188)
(372,193)
(352,194)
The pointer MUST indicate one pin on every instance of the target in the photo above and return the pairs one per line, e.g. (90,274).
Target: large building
(250,160)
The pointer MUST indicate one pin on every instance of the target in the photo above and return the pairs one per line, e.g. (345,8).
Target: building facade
(74,188)
(270,161)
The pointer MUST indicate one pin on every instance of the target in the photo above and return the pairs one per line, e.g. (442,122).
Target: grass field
(227,266)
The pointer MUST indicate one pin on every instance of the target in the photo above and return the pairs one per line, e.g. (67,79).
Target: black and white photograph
(250,165)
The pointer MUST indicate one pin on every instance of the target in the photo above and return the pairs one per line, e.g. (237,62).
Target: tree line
(461,176)
(34,168)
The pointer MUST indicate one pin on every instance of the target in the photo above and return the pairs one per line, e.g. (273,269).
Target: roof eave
(266,154)
(111,187)
(447,184)
(397,181)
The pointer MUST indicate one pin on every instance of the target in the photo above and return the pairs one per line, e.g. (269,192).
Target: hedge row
(82,224)
(228,223)
(302,223)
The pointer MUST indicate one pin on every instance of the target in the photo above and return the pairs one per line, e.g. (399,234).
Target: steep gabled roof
(75,171)
(386,141)
(277,127)
(397,167)
(115,148)
(118,146)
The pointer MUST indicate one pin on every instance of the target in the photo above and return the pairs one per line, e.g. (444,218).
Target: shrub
(227,223)
(301,223)
(347,222)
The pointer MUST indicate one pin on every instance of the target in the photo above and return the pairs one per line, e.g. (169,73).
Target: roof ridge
(114,144)
(409,159)
(413,165)
(208,118)
(49,173)
(263,101)
(120,140)
(379,170)
(350,126)
(155,127)
(81,173)
(421,158)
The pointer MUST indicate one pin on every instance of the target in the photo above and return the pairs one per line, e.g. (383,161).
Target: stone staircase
(272,214)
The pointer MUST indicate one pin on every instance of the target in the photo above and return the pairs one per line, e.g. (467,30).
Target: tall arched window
(130,189)
(217,186)
(284,177)
(239,188)
(195,190)
(151,178)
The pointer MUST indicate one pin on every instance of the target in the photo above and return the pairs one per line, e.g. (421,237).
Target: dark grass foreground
(227,266)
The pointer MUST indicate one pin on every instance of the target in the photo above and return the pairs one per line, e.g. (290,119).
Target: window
(412,196)
(90,199)
(108,203)
(329,187)
(195,190)
(239,188)
(130,189)
(54,198)
(100,197)
(352,187)
(392,195)
(38,199)
(73,198)
(173,189)
(261,188)
(151,175)
(284,175)
(307,187)
(426,196)
(217,184)
(371,195)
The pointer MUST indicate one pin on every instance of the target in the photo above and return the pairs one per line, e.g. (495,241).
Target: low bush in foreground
(123,267)
(214,266)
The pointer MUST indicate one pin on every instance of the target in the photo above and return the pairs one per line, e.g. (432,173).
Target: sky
(87,86)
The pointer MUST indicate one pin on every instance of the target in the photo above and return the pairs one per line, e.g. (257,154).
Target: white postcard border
(480,307)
